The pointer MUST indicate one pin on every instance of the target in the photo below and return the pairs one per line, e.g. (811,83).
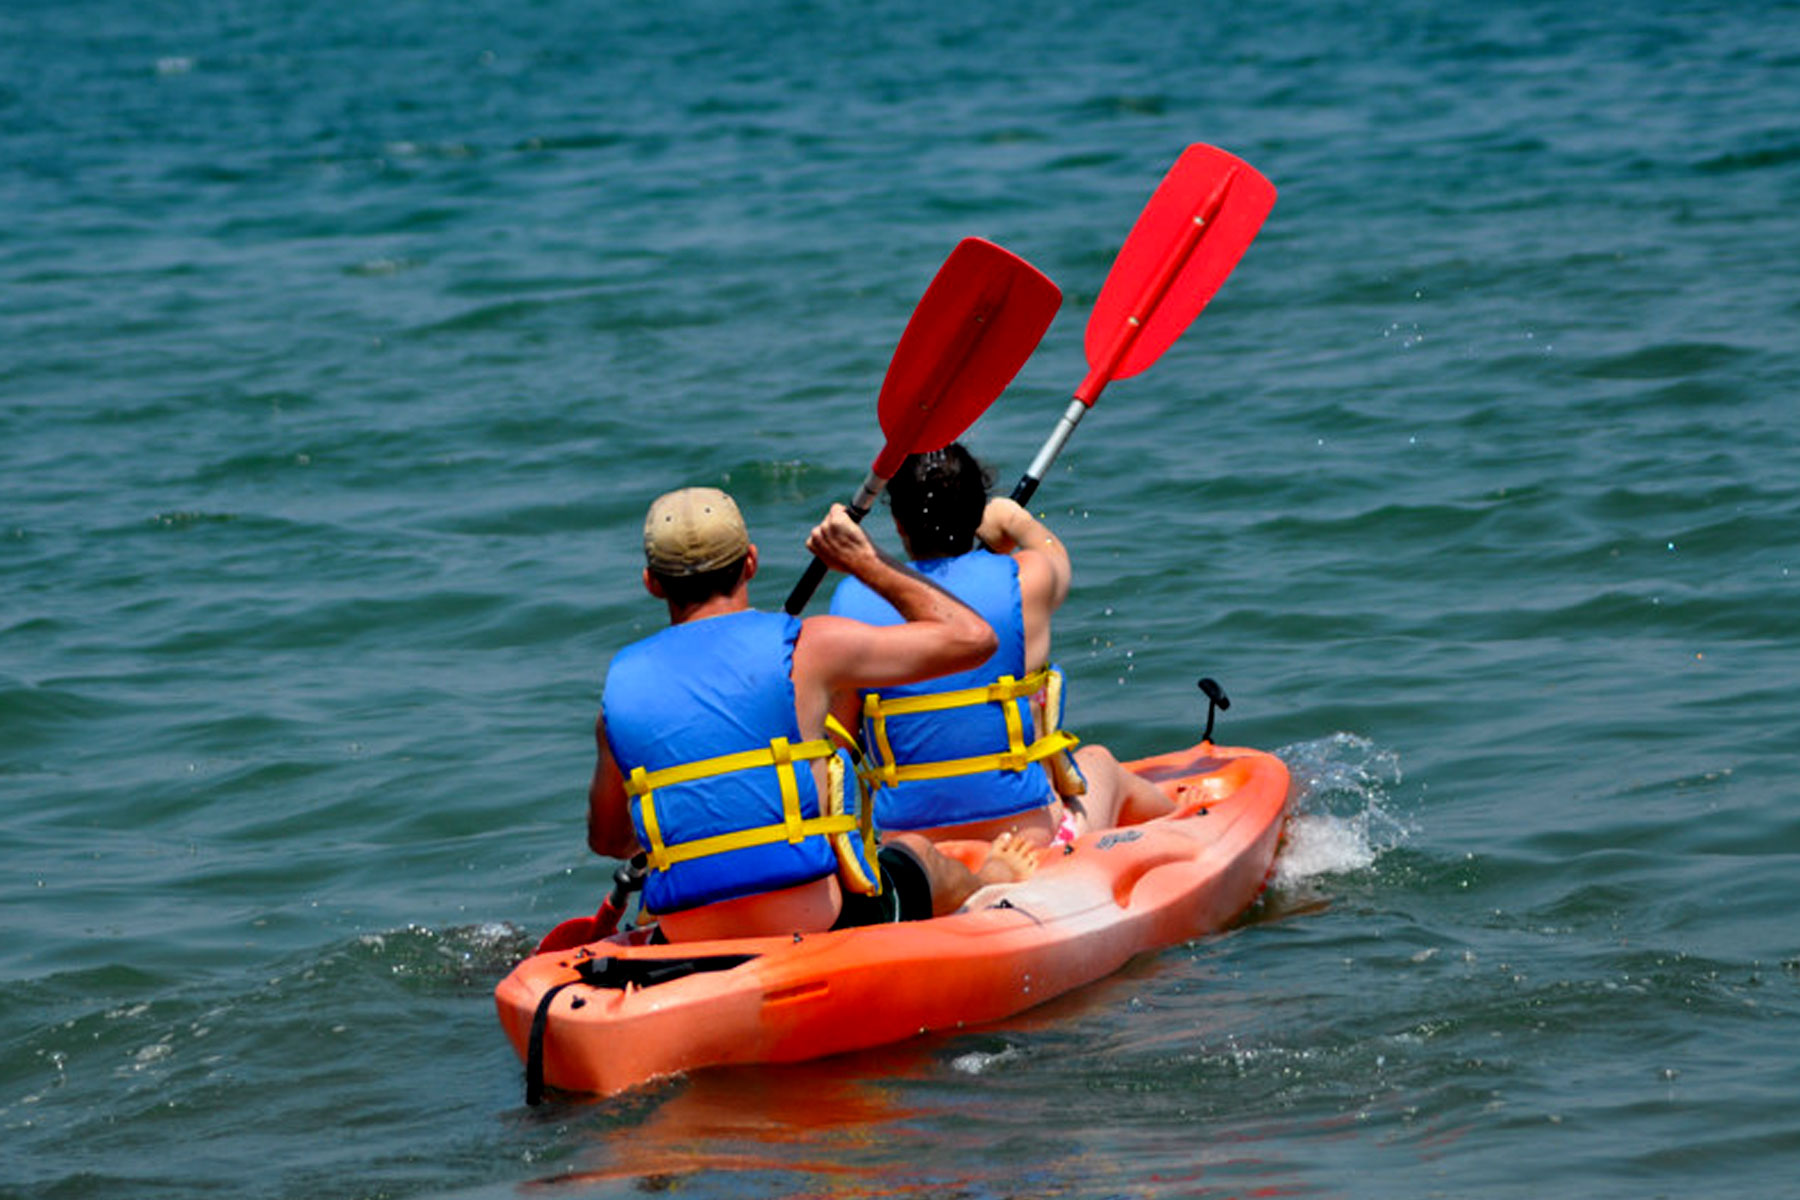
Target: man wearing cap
(712,755)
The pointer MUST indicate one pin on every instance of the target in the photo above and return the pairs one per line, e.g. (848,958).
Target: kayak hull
(604,1024)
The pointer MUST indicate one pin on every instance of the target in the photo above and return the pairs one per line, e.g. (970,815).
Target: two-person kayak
(614,1013)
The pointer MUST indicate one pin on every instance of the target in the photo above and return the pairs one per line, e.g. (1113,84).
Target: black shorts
(905,892)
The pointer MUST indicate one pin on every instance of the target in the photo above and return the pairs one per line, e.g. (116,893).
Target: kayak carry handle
(1216,702)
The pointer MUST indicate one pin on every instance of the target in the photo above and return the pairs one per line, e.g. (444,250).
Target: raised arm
(940,634)
(1007,528)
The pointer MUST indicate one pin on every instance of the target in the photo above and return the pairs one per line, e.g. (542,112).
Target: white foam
(1344,818)
(1323,845)
(979,1062)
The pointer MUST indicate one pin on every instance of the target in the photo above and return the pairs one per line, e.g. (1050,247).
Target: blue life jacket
(700,720)
(961,747)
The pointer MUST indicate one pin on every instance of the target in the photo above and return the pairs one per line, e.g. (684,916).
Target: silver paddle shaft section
(1059,437)
(865,497)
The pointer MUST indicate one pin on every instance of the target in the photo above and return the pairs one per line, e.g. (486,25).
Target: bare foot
(1011,859)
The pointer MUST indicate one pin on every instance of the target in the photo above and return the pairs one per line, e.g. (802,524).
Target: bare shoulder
(1043,580)
(825,641)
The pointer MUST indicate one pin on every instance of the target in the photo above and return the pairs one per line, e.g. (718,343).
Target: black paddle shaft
(815,570)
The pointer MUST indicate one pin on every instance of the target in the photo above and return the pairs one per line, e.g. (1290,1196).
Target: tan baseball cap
(692,531)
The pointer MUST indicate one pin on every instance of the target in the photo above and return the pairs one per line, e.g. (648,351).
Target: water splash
(458,954)
(980,1062)
(1344,812)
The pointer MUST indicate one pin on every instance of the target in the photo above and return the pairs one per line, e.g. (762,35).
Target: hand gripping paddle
(977,323)
(1198,223)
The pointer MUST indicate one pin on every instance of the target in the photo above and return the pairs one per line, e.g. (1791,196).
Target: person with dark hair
(982,750)
(712,752)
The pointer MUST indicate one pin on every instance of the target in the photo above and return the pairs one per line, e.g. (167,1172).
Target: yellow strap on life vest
(1065,776)
(1016,757)
(780,754)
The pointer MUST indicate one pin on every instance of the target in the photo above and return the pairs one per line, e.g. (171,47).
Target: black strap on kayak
(620,973)
(534,1045)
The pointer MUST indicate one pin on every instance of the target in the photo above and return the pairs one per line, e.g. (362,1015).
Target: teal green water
(342,346)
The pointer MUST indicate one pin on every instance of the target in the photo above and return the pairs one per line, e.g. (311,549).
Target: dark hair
(938,499)
(687,590)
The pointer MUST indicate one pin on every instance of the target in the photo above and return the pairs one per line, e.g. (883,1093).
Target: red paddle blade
(977,323)
(1196,227)
(579,931)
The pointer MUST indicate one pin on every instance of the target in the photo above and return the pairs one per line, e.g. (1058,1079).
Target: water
(341,347)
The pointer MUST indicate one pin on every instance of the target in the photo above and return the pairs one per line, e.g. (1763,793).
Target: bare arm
(610,832)
(1007,528)
(940,634)
(1044,569)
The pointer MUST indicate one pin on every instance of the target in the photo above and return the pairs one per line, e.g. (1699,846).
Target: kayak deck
(619,1012)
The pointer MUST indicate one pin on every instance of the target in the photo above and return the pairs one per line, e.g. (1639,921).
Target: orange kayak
(615,1013)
